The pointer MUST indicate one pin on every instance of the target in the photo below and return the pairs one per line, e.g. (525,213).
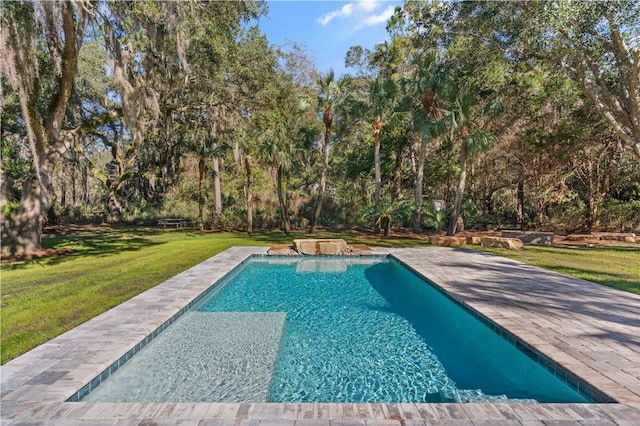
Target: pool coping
(569,321)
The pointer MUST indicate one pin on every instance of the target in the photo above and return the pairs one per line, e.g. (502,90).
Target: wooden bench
(172,223)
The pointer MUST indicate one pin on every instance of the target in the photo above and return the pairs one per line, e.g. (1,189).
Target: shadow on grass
(570,251)
(615,267)
(618,281)
(91,242)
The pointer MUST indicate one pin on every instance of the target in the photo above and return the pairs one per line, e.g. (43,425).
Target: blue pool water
(343,329)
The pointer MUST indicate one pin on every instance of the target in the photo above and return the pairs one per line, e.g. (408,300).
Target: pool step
(202,357)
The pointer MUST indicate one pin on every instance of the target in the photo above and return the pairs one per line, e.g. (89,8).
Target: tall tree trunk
(115,180)
(385,224)
(282,199)
(63,186)
(487,204)
(487,196)
(377,129)
(323,175)
(396,187)
(165,178)
(136,179)
(23,232)
(173,170)
(418,176)
(592,213)
(74,192)
(201,171)
(457,203)
(115,204)
(601,194)
(595,194)
(249,169)
(215,163)
(5,194)
(540,206)
(85,184)
(520,203)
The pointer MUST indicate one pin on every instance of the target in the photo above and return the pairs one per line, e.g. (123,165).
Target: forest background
(479,115)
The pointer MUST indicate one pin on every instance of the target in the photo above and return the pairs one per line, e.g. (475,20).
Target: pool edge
(26,405)
(593,394)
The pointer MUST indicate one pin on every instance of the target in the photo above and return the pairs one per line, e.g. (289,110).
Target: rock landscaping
(445,241)
(530,237)
(327,246)
(501,242)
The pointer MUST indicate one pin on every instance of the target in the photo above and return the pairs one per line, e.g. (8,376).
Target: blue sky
(328,28)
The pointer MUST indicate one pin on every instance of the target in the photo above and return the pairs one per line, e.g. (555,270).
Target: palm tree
(388,212)
(332,94)
(381,100)
(200,144)
(276,150)
(245,139)
(248,165)
(464,128)
(427,123)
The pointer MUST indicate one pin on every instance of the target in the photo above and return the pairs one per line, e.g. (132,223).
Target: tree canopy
(475,114)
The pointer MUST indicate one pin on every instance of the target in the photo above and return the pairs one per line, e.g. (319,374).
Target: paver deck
(590,330)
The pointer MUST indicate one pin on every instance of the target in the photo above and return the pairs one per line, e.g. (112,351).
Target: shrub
(620,216)
(566,218)
(436,220)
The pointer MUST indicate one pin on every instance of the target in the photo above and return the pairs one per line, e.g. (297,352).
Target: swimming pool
(337,329)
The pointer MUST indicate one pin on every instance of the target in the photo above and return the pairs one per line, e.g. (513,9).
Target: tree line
(472,115)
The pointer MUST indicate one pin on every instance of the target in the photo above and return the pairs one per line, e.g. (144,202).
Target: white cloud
(360,10)
(343,12)
(380,18)
(369,5)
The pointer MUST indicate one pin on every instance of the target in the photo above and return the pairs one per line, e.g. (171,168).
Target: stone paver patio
(591,331)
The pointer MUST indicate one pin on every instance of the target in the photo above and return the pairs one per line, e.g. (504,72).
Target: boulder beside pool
(320,246)
(530,237)
(314,247)
(501,242)
(447,241)
(281,249)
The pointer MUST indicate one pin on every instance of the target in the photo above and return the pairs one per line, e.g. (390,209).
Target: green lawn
(617,267)
(43,298)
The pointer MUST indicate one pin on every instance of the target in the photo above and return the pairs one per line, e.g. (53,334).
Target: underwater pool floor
(590,330)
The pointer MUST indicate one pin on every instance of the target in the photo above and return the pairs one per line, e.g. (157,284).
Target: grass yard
(617,267)
(43,298)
